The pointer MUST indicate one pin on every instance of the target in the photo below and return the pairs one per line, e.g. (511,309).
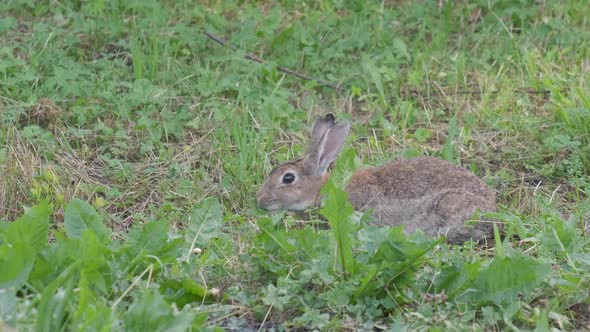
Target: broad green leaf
(274,241)
(92,313)
(7,23)
(204,224)
(401,48)
(559,236)
(50,263)
(456,278)
(150,312)
(19,242)
(16,262)
(342,173)
(370,237)
(151,239)
(505,278)
(306,247)
(80,216)
(542,323)
(399,256)
(449,153)
(32,227)
(512,223)
(85,296)
(421,135)
(310,244)
(371,271)
(94,263)
(338,210)
(339,295)
(185,291)
(375,74)
(53,305)
(148,237)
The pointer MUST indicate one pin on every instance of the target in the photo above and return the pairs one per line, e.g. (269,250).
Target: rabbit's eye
(288,178)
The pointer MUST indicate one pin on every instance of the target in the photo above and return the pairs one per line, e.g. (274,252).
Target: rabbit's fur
(419,193)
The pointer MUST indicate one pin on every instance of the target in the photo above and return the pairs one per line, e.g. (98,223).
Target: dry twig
(443,92)
(285,70)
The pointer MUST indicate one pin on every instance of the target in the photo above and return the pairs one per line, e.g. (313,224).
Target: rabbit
(419,193)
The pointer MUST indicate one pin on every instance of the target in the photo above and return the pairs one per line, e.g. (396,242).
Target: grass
(125,115)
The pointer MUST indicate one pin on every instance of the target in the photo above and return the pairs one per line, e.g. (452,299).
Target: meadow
(132,144)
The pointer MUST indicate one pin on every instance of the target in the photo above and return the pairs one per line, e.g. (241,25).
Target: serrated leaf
(400,255)
(338,295)
(85,296)
(148,238)
(52,306)
(204,223)
(455,278)
(371,272)
(401,48)
(505,278)
(93,257)
(370,67)
(342,173)
(306,247)
(559,236)
(92,314)
(449,146)
(273,241)
(81,216)
(185,291)
(338,210)
(150,312)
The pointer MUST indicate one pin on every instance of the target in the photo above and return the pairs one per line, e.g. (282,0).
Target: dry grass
(45,113)
(18,172)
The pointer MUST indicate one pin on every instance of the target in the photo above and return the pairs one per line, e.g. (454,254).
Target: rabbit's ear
(319,129)
(329,147)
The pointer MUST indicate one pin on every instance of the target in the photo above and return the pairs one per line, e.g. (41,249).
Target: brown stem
(473,92)
(254,58)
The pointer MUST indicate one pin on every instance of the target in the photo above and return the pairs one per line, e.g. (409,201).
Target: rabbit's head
(295,185)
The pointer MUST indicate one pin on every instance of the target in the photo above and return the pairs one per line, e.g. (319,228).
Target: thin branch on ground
(285,70)
(445,92)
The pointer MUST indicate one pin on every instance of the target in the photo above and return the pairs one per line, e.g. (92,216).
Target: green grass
(128,139)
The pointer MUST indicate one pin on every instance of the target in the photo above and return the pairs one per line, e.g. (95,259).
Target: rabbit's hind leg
(453,209)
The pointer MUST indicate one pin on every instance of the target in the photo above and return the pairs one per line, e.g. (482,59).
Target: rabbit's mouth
(298,206)
(276,206)
(273,205)
(270,207)
(266,202)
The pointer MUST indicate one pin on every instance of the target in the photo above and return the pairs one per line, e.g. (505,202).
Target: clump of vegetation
(131,146)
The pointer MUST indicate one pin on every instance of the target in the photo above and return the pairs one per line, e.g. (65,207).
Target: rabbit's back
(424,193)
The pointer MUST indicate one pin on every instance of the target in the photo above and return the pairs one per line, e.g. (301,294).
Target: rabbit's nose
(262,199)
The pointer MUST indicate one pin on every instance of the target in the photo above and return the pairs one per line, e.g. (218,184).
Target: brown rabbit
(419,193)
